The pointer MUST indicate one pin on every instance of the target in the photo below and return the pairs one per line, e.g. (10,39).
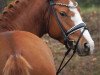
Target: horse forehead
(71,2)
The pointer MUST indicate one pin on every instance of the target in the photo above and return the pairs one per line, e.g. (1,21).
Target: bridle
(66,34)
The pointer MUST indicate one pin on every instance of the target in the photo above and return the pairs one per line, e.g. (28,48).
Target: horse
(22,53)
(60,19)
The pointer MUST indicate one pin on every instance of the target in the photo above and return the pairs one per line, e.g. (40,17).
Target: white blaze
(78,20)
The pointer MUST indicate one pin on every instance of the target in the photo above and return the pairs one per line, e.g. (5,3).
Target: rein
(65,33)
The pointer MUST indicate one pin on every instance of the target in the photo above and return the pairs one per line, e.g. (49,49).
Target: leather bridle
(66,34)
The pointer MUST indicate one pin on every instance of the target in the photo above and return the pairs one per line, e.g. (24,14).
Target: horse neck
(26,15)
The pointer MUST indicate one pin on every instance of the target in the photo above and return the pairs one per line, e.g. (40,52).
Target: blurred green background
(89,65)
(82,3)
(89,3)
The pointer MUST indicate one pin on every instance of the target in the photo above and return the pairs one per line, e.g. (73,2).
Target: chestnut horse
(59,18)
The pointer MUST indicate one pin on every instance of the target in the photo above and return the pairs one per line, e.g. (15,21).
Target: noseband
(66,34)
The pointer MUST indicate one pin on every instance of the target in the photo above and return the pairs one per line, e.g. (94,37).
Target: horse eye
(62,13)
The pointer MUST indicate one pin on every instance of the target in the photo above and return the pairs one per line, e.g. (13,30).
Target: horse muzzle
(83,50)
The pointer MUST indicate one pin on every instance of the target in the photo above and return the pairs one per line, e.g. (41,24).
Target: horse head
(67,26)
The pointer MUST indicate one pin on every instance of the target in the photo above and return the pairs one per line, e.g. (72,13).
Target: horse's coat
(25,15)
(23,53)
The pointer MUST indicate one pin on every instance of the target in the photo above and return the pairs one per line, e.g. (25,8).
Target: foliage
(3,3)
(89,3)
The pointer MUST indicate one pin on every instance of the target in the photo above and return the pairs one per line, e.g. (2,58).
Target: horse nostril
(87,47)
(84,50)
